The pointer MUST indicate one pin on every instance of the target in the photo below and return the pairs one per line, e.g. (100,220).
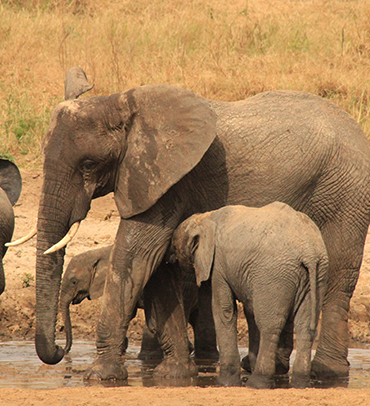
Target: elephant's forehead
(71,109)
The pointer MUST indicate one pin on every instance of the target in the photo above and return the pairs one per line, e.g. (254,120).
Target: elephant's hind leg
(345,249)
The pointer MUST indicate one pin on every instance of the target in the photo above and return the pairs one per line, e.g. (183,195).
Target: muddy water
(21,368)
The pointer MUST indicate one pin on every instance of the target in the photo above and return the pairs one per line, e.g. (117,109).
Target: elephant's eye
(88,165)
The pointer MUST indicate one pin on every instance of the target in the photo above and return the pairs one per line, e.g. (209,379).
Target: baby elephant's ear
(98,280)
(204,250)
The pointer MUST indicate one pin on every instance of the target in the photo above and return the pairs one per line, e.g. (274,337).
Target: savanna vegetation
(225,50)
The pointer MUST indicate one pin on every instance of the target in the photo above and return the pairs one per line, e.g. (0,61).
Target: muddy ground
(17,316)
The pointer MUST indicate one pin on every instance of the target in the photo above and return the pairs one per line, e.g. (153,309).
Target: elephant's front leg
(205,342)
(122,290)
(139,248)
(165,316)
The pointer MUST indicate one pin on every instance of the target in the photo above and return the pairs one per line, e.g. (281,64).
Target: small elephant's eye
(73,281)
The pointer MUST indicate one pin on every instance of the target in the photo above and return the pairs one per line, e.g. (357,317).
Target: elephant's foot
(106,370)
(281,368)
(229,379)
(327,369)
(257,381)
(174,369)
(300,381)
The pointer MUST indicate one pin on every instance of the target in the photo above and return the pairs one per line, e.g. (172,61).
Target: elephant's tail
(317,271)
(313,272)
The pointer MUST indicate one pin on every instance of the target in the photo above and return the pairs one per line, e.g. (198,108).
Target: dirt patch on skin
(17,321)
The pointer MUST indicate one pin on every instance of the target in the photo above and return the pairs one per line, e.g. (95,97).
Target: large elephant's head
(136,144)
(84,278)
(10,189)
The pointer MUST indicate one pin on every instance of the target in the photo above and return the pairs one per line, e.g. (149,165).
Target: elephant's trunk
(64,307)
(64,202)
(53,223)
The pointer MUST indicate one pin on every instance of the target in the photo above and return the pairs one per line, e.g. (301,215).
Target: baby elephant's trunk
(64,307)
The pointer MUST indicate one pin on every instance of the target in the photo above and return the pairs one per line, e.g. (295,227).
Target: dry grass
(220,49)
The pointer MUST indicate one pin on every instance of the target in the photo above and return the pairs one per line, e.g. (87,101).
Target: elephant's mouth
(80,297)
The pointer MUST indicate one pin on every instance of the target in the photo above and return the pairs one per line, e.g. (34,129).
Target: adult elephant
(10,189)
(167,153)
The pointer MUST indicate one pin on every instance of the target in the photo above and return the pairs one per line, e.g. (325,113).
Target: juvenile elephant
(85,278)
(269,258)
(10,189)
(167,153)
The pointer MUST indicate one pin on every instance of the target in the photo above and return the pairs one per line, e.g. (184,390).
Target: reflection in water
(21,368)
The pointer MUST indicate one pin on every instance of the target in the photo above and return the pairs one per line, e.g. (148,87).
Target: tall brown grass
(225,50)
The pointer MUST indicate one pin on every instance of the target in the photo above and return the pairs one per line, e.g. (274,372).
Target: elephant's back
(274,230)
(300,114)
(297,148)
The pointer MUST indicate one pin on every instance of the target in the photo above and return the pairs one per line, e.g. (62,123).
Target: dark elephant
(273,259)
(167,153)
(10,189)
(85,277)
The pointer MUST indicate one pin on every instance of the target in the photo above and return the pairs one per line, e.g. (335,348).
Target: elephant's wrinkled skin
(167,153)
(268,258)
(85,278)
(10,189)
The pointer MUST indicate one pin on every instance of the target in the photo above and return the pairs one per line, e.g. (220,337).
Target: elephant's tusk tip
(22,240)
(51,250)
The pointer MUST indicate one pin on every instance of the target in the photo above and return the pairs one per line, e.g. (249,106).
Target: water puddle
(21,368)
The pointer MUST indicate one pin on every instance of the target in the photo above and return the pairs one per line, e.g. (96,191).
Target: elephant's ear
(169,132)
(76,83)
(98,280)
(204,249)
(10,180)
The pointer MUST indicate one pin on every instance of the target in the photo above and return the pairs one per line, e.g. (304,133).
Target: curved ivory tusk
(20,241)
(65,240)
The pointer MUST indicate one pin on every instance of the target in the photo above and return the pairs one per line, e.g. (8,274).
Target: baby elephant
(85,278)
(268,258)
